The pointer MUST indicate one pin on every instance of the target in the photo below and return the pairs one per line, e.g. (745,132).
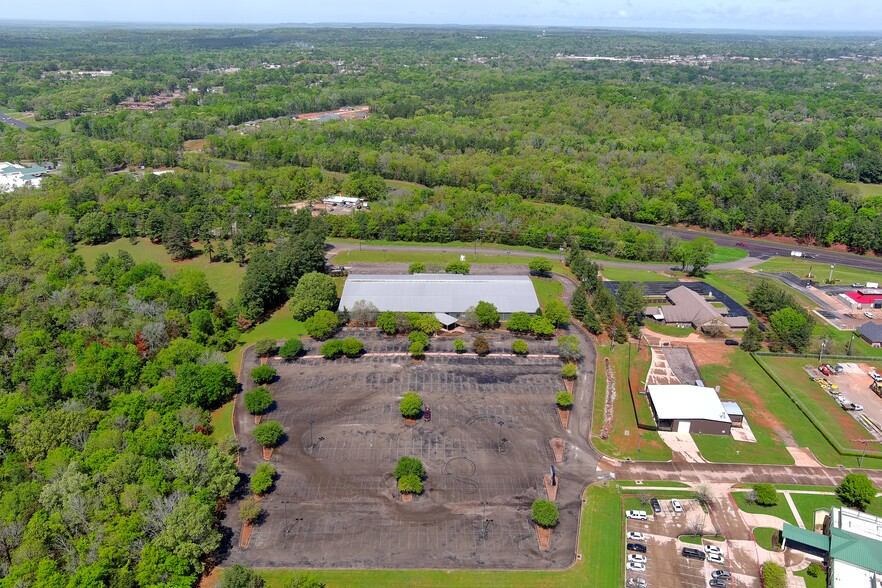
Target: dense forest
(107,373)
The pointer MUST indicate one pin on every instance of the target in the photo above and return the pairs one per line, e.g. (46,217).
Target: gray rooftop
(871,331)
(447,293)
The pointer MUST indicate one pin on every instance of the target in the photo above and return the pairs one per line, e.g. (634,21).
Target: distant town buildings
(14,175)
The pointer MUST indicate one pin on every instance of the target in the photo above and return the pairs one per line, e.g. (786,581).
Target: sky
(824,15)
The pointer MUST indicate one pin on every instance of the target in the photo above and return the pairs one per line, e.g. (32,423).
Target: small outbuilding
(871,333)
(689,409)
(448,322)
(736,415)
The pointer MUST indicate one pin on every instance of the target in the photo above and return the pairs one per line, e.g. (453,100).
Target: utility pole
(830,279)
(823,348)
(861,458)
(850,341)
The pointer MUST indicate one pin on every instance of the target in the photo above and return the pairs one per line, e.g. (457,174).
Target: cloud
(623,13)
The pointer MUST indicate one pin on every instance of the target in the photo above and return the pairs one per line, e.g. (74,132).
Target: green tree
(459,345)
(856,490)
(556,312)
(630,302)
(541,326)
(579,304)
(591,322)
(605,304)
(332,349)
(792,327)
(265,347)
(774,575)
(544,513)
(540,266)
(568,348)
(698,253)
(416,268)
(417,350)
(176,239)
(239,576)
(351,347)
(411,405)
(569,371)
(519,322)
(457,267)
(321,325)
(94,227)
(409,466)
(291,348)
(263,374)
(410,484)
(314,292)
(263,478)
(488,316)
(519,347)
(481,345)
(564,400)
(752,340)
(268,434)
(303,581)
(766,495)
(386,322)
(249,510)
(258,400)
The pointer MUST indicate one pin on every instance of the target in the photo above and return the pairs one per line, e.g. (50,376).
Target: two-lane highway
(6,119)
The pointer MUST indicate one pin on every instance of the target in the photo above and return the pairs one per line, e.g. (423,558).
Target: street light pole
(830,279)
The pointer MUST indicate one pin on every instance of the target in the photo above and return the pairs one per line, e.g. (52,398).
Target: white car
(636,558)
(675,504)
(713,549)
(869,315)
(635,536)
(637,515)
(633,566)
(637,582)
(875,376)
(715,558)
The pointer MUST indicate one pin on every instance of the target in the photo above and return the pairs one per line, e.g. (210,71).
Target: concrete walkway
(792,506)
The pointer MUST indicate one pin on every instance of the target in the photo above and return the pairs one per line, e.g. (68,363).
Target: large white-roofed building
(689,409)
(451,294)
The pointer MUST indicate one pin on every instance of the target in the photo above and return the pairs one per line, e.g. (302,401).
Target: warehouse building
(451,294)
(689,409)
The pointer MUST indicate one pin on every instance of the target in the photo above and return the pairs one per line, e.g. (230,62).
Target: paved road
(761,249)
(12,122)
(736,473)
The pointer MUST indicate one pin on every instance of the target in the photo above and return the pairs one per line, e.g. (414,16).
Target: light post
(822,349)
(830,279)
(561,254)
(850,341)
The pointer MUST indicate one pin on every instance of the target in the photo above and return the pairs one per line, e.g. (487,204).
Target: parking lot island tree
(352,347)
(263,478)
(268,435)
(291,348)
(265,347)
(332,349)
(263,374)
(411,405)
(257,401)
(459,345)
(322,324)
(409,466)
(519,347)
(249,514)
(481,345)
(544,513)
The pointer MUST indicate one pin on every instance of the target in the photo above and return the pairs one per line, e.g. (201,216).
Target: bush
(765,494)
(418,337)
(487,314)
(519,322)
(541,326)
(352,346)
(263,374)
(557,313)
(262,480)
(409,466)
(519,347)
(264,347)
(568,348)
(774,575)
(459,345)
(249,511)
(411,405)
(258,400)
(540,266)
(457,267)
(428,324)
(291,348)
(815,570)
(410,484)
(322,324)
(416,268)
(856,491)
(417,350)
(569,371)
(332,349)
(387,322)
(564,399)
(545,513)
(239,576)
(481,345)
(268,434)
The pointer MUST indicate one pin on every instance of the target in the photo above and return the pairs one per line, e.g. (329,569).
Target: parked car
(637,582)
(656,506)
(857,285)
(427,414)
(869,315)
(715,558)
(838,369)
(807,256)
(636,557)
(852,406)
(693,553)
(731,342)
(722,574)
(875,376)
(634,566)
(717,583)
(635,536)
(637,515)
(713,549)
(638,547)
(823,369)
(675,504)
(740,244)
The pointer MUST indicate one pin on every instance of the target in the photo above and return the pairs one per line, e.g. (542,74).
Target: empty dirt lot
(486,450)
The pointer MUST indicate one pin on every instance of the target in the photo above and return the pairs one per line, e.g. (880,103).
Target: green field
(601,566)
(224,278)
(840,341)
(668,330)
(807,504)
(780,510)
(866,189)
(431,257)
(764,536)
(738,284)
(547,289)
(222,423)
(631,485)
(821,271)
(279,326)
(819,582)
(616,274)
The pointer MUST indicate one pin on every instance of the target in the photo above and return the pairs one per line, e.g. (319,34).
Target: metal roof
(857,550)
(447,293)
(792,533)
(732,408)
(687,403)
(871,331)
(445,319)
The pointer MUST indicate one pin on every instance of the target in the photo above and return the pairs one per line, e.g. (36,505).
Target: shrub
(544,513)
(774,575)
(519,322)
(815,570)
(409,466)
(569,371)
(481,345)
(540,266)
(487,314)
(410,484)
(428,324)
(387,322)
(411,405)
(291,348)
(258,400)
(352,347)
(557,313)
(239,576)
(564,399)
(268,434)
(263,374)
(264,347)
(458,267)
(332,349)
(568,348)
(416,268)
(856,490)
(322,324)
(417,350)
(519,347)
(459,345)
(262,480)
(765,494)
(541,326)
(418,337)
(249,511)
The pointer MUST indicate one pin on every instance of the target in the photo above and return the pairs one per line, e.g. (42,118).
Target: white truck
(796,254)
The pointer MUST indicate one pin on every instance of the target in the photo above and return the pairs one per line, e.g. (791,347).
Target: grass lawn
(668,330)
(547,289)
(602,564)
(762,397)
(222,423)
(866,189)
(807,504)
(615,274)
(738,284)
(629,485)
(840,340)
(821,271)
(764,536)
(780,510)
(280,326)
(224,278)
(452,245)
(810,582)
(727,254)
(638,443)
